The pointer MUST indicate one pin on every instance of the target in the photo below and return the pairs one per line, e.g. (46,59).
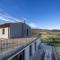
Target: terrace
(9,45)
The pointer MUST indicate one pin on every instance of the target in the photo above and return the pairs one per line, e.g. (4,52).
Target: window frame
(3,31)
(30,50)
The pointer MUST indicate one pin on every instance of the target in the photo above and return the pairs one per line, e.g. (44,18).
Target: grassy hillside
(49,36)
(53,33)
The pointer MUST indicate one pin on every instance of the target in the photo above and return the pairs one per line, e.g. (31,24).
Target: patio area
(9,45)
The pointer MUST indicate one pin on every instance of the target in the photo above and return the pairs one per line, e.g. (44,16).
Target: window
(27,32)
(30,50)
(20,56)
(3,31)
(35,45)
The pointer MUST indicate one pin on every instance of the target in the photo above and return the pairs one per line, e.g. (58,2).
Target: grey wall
(19,30)
(15,30)
(25,28)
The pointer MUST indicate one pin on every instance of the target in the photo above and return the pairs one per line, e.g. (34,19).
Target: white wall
(6,33)
(27,53)
(38,41)
(27,57)
(33,48)
(26,50)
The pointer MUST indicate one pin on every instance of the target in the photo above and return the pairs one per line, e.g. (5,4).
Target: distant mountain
(55,30)
(40,30)
(44,30)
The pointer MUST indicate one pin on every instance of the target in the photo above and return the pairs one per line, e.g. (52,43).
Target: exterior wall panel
(27,53)
(38,41)
(26,50)
(15,30)
(33,49)
(6,33)
(18,30)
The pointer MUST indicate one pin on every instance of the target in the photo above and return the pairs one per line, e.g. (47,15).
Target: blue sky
(37,13)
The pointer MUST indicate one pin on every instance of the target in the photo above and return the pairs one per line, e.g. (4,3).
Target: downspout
(8,32)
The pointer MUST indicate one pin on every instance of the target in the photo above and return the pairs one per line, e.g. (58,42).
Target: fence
(7,45)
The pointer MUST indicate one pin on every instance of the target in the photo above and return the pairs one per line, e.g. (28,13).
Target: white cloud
(4,16)
(33,25)
(8,18)
(5,19)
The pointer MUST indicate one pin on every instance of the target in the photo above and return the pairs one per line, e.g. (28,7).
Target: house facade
(14,30)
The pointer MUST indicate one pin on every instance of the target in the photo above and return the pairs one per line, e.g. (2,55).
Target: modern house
(14,30)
